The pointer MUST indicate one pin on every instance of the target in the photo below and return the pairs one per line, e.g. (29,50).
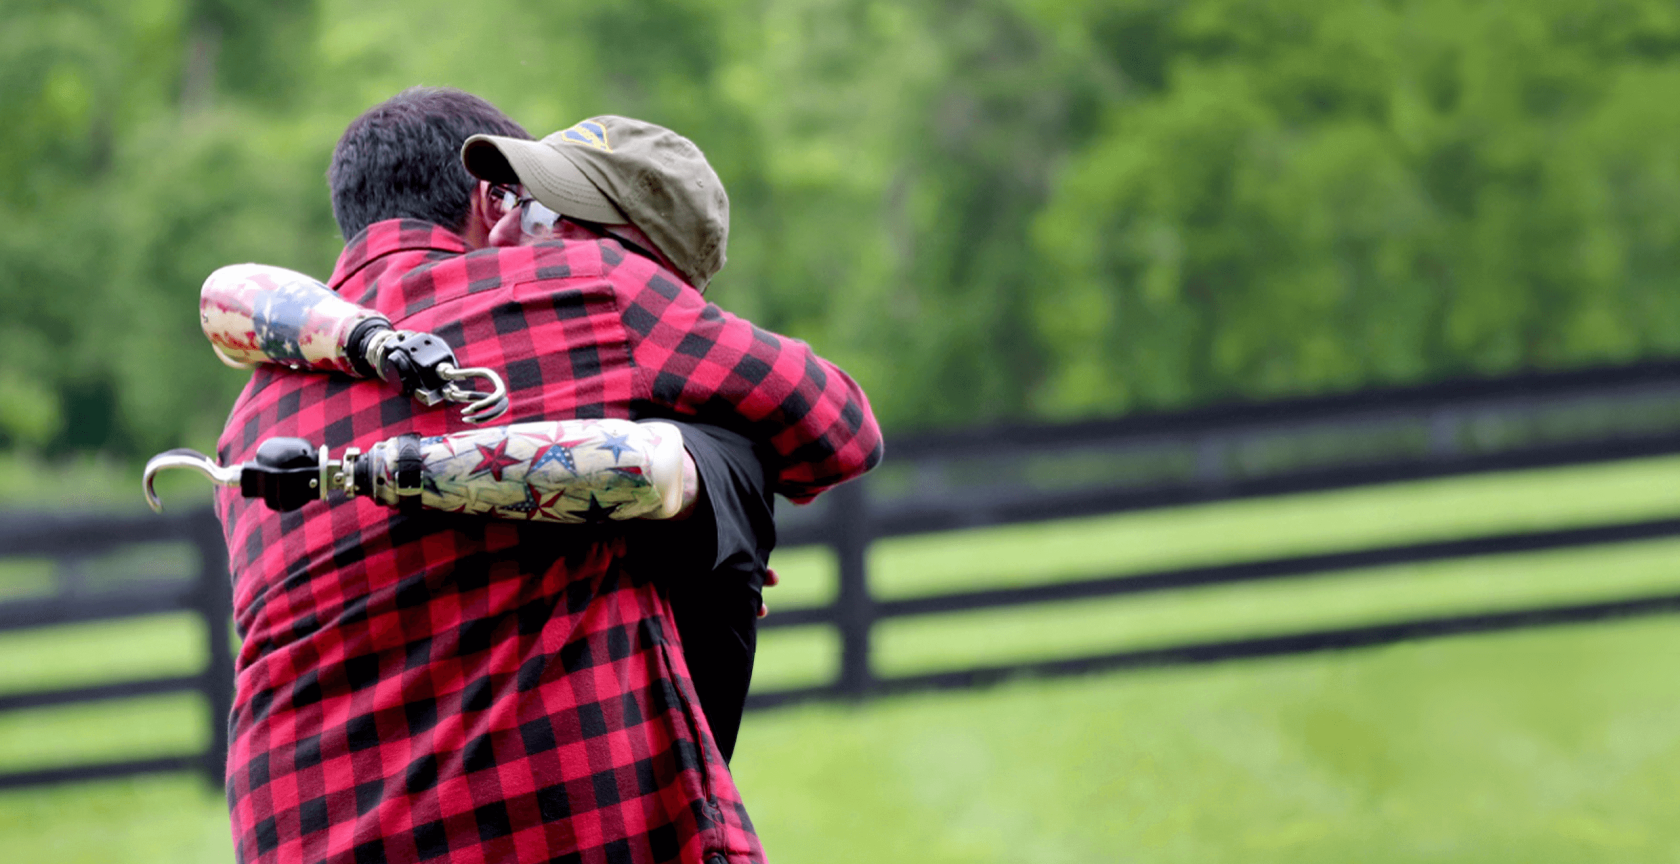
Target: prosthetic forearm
(254,314)
(574,471)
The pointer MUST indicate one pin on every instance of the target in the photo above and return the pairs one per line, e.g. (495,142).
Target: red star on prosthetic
(546,504)
(494,459)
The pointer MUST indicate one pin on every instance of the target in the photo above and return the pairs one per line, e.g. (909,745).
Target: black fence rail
(1001,476)
(101,568)
(989,477)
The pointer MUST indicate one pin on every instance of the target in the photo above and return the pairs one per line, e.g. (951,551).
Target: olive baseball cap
(616,171)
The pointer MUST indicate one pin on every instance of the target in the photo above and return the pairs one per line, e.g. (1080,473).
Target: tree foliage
(1332,195)
(984,209)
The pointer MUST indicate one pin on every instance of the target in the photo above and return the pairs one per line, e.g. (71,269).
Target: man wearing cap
(631,178)
(418,687)
(664,183)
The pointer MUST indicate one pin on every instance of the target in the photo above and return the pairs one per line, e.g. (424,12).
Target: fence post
(854,608)
(215,603)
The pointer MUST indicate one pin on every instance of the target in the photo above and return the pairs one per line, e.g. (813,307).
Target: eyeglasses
(507,197)
(535,219)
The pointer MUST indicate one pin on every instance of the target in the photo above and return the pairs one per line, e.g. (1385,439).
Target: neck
(475,235)
(635,236)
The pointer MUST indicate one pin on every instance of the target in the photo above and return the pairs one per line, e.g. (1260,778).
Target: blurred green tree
(984,209)
(127,177)
(1327,195)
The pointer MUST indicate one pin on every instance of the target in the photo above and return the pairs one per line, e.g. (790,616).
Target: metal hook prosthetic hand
(573,471)
(254,313)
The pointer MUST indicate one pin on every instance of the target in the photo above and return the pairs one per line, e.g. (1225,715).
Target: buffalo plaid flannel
(418,686)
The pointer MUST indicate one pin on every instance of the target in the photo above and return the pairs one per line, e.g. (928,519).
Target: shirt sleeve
(700,361)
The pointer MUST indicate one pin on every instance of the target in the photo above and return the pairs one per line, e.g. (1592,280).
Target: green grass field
(1556,745)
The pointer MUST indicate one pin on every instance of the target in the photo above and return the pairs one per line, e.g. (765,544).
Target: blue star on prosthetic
(556,451)
(616,443)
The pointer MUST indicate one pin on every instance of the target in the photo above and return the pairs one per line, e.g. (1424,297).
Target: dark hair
(402,159)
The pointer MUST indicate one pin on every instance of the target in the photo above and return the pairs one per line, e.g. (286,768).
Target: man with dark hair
(418,686)
(399,160)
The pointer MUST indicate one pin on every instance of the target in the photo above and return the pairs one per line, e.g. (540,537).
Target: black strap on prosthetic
(356,345)
(410,471)
(361,477)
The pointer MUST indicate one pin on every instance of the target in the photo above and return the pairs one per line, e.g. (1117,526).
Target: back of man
(417,687)
(413,686)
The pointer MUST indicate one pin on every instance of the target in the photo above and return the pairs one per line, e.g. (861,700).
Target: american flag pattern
(253,314)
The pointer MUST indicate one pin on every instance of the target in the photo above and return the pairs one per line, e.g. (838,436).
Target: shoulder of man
(592,258)
(640,287)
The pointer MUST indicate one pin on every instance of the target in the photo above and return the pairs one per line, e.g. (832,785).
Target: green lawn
(1557,745)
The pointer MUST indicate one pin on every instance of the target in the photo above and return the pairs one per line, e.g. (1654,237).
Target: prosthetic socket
(254,313)
(574,471)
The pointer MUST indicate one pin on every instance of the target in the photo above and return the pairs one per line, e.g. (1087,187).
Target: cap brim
(545,172)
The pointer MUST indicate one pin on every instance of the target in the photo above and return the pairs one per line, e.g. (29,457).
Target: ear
(481,217)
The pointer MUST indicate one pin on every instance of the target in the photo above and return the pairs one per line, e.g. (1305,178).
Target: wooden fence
(95,578)
(1000,476)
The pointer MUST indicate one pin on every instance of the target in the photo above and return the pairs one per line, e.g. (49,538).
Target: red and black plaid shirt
(420,686)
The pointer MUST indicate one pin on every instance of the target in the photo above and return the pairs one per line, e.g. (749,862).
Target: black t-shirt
(713,564)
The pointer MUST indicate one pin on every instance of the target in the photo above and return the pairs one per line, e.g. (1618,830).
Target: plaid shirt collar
(389,237)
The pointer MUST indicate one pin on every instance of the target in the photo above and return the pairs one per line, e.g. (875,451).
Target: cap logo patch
(588,134)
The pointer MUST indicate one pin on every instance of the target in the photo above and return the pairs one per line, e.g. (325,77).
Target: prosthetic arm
(573,471)
(254,313)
